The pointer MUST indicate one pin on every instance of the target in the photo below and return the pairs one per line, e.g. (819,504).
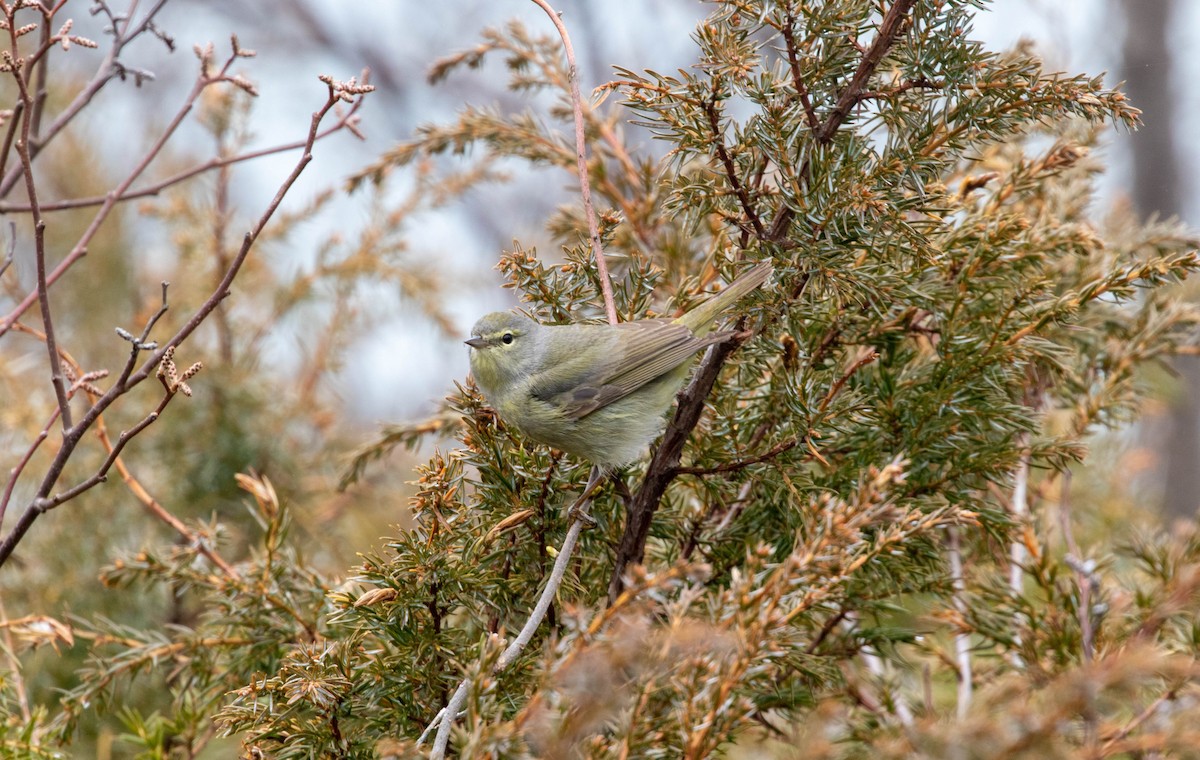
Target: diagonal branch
(338,92)
(123,34)
(714,123)
(889,30)
(80,249)
(346,120)
(664,464)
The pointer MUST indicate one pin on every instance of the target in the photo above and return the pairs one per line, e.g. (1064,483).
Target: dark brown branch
(826,629)
(741,464)
(714,123)
(889,29)
(45,504)
(664,463)
(789,40)
(921,83)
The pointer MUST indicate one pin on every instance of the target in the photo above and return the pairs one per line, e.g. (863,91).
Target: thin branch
(920,83)
(39,227)
(110,201)
(347,119)
(15,473)
(789,39)
(714,123)
(1018,554)
(338,92)
(10,134)
(109,68)
(46,503)
(826,629)
(889,30)
(585,184)
(446,718)
(1152,708)
(12,248)
(159,511)
(741,464)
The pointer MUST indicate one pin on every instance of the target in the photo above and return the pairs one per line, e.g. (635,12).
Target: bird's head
(504,349)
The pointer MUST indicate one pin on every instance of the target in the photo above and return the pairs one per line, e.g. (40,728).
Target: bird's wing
(641,352)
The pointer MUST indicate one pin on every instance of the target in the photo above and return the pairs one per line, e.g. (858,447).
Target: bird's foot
(578,511)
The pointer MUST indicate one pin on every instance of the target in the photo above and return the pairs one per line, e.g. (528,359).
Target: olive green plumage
(596,391)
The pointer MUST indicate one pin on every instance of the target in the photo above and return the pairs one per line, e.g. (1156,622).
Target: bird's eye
(507,338)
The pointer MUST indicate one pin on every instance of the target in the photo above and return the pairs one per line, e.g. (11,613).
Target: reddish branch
(124,30)
(39,224)
(43,500)
(346,120)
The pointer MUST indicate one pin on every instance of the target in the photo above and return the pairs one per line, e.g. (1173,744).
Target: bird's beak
(476,342)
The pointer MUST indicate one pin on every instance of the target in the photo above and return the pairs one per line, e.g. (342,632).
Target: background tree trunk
(1156,189)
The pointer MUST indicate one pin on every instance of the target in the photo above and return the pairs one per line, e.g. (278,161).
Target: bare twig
(585,184)
(80,249)
(739,190)
(338,92)
(46,503)
(445,719)
(346,119)
(1109,741)
(789,39)
(39,224)
(15,473)
(12,248)
(123,34)
(1018,554)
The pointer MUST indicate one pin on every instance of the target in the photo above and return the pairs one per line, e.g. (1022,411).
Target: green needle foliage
(827,565)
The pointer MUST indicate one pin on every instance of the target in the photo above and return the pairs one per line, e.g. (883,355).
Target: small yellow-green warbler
(596,391)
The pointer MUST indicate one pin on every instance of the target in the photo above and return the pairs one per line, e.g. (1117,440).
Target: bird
(599,392)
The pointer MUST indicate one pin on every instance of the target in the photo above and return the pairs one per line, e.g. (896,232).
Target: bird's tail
(700,318)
